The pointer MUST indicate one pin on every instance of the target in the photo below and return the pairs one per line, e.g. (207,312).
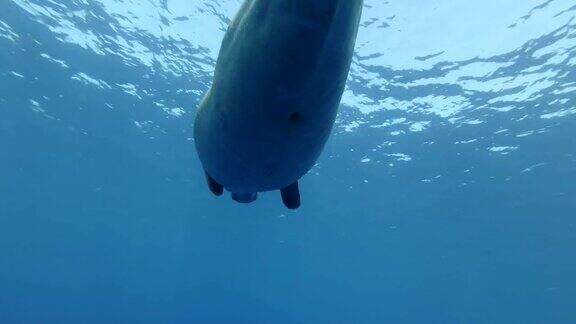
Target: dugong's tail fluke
(291,196)
(214,186)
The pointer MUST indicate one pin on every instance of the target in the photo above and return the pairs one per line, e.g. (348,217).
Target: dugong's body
(277,86)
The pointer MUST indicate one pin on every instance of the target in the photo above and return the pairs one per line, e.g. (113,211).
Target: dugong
(277,85)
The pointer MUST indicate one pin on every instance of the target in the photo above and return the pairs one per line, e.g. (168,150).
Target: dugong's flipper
(214,186)
(245,197)
(291,196)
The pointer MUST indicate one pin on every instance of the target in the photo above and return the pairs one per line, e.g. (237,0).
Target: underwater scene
(445,193)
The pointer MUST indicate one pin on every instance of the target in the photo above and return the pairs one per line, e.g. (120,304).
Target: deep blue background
(105,222)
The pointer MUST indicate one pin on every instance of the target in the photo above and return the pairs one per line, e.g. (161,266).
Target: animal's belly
(276,90)
(255,154)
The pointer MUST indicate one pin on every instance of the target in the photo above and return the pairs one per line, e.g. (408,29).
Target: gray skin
(278,82)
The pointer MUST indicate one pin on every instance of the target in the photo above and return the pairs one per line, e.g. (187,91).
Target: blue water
(446,193)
